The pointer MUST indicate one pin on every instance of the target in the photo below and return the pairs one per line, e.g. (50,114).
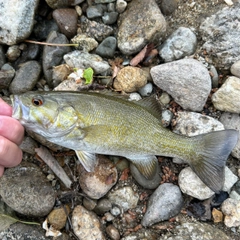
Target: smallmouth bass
(94,123)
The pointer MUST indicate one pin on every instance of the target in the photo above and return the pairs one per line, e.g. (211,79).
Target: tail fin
(214,149)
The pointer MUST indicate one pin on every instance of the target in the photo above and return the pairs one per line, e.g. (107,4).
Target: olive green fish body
(92,123)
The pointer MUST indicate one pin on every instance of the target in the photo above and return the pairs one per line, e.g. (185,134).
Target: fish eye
(37,101)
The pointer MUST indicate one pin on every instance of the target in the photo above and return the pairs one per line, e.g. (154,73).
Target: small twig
(53,44)
(46,156)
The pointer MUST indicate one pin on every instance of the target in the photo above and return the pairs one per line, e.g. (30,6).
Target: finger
(5,109)
(10,153)
(1,170)
(11,129)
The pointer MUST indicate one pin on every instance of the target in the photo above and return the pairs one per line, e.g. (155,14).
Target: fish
(93,123)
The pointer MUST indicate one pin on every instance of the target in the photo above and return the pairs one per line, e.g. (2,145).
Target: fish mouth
(20,111)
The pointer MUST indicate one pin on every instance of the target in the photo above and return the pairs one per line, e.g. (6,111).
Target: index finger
(5,109)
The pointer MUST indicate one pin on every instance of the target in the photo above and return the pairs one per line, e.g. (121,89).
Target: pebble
(86,225)
(164,203)
(104,1)
(168,6)
(94,11)
(130,79)
(231,210)
(225,50)
(66,19)
(124,197)
(7,73)
(234,195)
(180,43)
(60,73)
(13,53)
(195,231)
(134,96)
(28,145)
(230,180)
(227,97)
(83,60)
(112,232)
(96,30)
(144,182)
(104,177)
(142,234)
(214,76)
(26,190)
(107,47)
(167,117)
(89,203)
(121,6)
(180,78)
(164,99)
(53,56)
(232,121)
(16,24)
(235,69)
(133,37)
(217,215)
(146,90)
(2,56)
(110,17)
(103,206)
(86,43)
(62,3)
(26,77)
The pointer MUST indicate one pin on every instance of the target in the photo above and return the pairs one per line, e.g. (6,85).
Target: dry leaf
(139,57)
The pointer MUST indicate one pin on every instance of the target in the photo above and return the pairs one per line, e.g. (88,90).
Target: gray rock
(168,6)
(144,182)
(146,90)
(142,234)
(103,206)
(163,204)
(227,97)
(107,47)
(214,76)
(80,59)
(134,97)
(26,190)
(110,17)
(26,77)
(232,121)
(113,232)
(94,11)
(235,69)
(167,116)
(234,195)
(62,3)
(2,56)
(16,20)
(230,180)
(53,56)
(104,1)
(221,36)
(28,145)
(180,78)
(7,73)
(124,197)
(95,30)
(179,44)
(195,231)
(121,6)
(13,53)
(133,37)
(164,99)
(86,43)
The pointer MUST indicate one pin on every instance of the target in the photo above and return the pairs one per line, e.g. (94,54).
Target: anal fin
(88,160)
(146,165)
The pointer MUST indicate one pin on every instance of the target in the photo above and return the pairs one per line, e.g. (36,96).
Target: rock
(232,121)
(168,6)
(214,76)
(121,6)
(112,232)
(86,43)
(167,116)
(110,17)
(221,36)
(26,190)
(16,20)
(103,206)
(180,78)
(134,97)
(180,43)
(89,203)
(104,177)
(235,69)
(124,197)
(58,217)
(164,99)
(142,234)
(234,195)
(130,79)
(86,224)
(60,73)
(217,215)
(104,1)
(227,97)
(26,77)
(80,59)
(144,182)
(13,53)
(94,11)
(196,231)
(2,56)
(146,90)
(231,210)
(66,19)
(230,180)
(7,73)
(68,85)
(164,203)
(192,185)
(107,47)
(62,3)
(133,37)
(53,56)
(20,230)
(192,124)
(95,30)
(28,145)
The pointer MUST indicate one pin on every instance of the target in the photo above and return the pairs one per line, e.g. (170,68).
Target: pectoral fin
(88,160)
(146,165)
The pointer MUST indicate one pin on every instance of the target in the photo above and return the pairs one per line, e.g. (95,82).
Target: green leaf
(88,75)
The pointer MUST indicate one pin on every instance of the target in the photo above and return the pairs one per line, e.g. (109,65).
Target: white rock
(121,6)
(234,195)
(235,69)
(227,98)
(230,180)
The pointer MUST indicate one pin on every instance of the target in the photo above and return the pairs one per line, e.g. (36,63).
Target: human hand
(11,135)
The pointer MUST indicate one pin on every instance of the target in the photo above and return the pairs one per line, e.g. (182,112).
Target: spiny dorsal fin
(88,160)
